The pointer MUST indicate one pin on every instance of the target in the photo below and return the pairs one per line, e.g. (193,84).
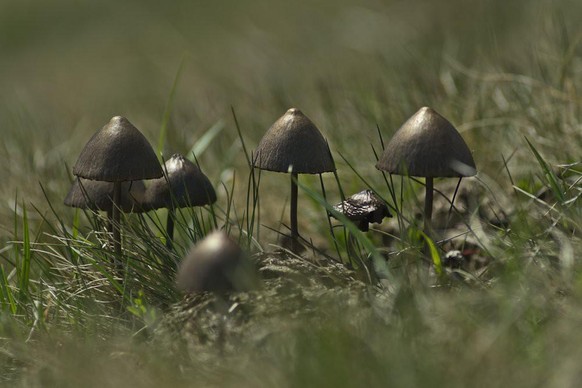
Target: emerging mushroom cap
(293,142)
(427,145)
(216,264)
(98,195)
(116,153)
(183,185)
(363,208)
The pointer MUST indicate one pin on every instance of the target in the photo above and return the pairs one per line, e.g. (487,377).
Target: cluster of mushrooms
(113,165)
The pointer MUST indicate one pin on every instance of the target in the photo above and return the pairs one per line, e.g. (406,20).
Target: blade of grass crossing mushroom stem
(294,229)
(380,265)
(115,223)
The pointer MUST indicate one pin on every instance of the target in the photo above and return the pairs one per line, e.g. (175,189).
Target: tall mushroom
(183,185)
(117,153)
(294,144)
(427,145)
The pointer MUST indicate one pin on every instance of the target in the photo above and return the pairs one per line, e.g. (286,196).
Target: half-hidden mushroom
(183,185)
(117,153)
(427,145)
(294,144)
(98,195)
(363,208)
(216,264)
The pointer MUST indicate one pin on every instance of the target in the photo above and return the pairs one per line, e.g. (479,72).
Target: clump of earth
(296,292)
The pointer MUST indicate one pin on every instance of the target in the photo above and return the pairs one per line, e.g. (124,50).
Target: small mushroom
(117,153)
(427,145)
(294,144)
(183,185)
(363,208)
(98,195)
(216,264)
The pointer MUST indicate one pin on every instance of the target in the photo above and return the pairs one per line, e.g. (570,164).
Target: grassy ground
(507,75)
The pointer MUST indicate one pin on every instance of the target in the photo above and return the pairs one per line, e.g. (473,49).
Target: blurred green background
(499,70)
(495,68)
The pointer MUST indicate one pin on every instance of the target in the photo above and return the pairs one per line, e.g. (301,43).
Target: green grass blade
(24,267)
(434,254)
(550,175)
(204,141)
(6,295)
(168,109)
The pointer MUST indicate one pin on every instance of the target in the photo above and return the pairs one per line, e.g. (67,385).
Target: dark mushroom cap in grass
(116,153)
(293,141)
(363,208)
(183,185)
(216,264)
(98,195)
(427,145)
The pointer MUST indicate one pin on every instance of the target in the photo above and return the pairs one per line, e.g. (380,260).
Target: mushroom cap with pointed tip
(294,142)
(116,153)
(427,145)
(184,185)
(217,264)
(98,195)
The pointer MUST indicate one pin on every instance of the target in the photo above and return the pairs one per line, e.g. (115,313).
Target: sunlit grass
(207,83)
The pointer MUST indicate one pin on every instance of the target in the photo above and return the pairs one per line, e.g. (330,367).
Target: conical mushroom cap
(293,141)
(98,195)
(217,264)
(427,145)
(116,153)
(183,186)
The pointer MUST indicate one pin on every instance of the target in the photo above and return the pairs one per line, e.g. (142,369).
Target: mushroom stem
(170,229)
(109,226)
(294,230)
(428,211)
(116,221)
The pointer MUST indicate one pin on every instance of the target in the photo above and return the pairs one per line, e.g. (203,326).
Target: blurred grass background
(68,66)
(498,70)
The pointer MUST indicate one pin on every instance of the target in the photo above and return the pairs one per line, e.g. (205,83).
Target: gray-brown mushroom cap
(293,141)
(116,153)
(363,208)
(217,264)
(427,145)
(98,195)
(183,185)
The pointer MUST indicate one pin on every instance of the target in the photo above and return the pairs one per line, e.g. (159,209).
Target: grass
(207,82)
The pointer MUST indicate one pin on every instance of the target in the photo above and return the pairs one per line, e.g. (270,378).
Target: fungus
(117,153)
(363,208)
(98,195)
(215,264)
(294,144)
(427,145)
(183,185)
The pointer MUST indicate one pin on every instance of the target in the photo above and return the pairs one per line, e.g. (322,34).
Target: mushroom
(215,264)
(183,185)
(117,153)
(294,144)
(427,145)
(363,208)
(98,195)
